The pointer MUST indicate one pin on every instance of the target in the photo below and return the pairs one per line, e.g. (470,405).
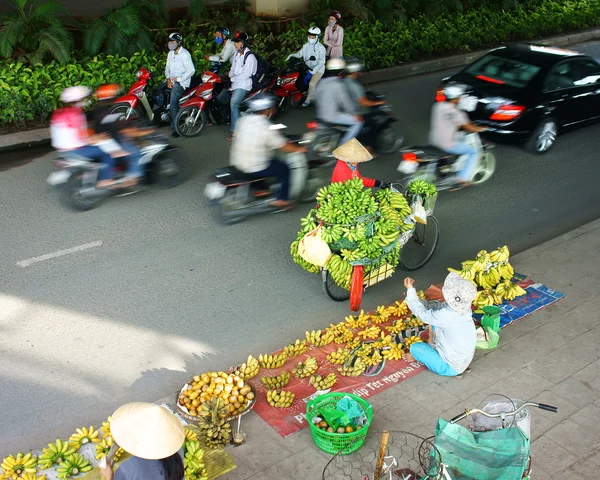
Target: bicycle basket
(427,202)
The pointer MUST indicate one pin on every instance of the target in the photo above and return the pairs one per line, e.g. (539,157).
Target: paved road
(163,291)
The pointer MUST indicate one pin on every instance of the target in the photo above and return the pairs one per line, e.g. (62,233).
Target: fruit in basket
(393,352)
(319,338)
(374,359)
(295,349)
(339,356)
(306,368)
(213,426)
(323,383)
(421,187)
(13,467)
(103,448)
(83,436)
(358,368)
(280,398)
(509,290)
(73,465)
(54,453)
(248,369)
(273,383)
(193,461)
(272,361)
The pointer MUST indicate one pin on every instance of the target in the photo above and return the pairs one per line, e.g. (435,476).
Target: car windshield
(503,71)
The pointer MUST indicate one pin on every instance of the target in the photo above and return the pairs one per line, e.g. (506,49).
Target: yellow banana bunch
(397,327)
(393,352)
(296,349)
(14,467)
(248,369)
(489,278)
(383,341)
(190,435)
(357,322)
(399,309)
(484,257)
(381,315)
(468,273)
(507,272)
(355,370)
(73,465)
(30,476)
(55,453)
(105,428)
(280,398)
(273,383)
(374,359)
(410,340)
(500,255)
(485,298)
(103,448)
(272,361)
(323,383)
(421,295)
(320,338)
(371,332)
(306,368)
(345,336)
(354,343)
(83,436)
(509,290)
(339,356)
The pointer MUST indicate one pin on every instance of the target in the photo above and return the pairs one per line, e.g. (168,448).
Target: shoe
(307,103)
(175,135)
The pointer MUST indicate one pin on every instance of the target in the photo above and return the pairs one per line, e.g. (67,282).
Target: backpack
(262,70)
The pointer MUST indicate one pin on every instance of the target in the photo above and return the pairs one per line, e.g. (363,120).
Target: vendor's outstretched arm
(428,316)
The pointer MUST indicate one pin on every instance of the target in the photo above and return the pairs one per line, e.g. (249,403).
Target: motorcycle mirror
(277,126)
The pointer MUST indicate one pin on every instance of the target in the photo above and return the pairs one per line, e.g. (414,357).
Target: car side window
(588,72)
(561,76)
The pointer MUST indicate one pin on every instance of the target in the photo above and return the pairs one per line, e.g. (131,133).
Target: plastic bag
(335,418)
(352,410)
(419,212)
(314,249)
(487,338)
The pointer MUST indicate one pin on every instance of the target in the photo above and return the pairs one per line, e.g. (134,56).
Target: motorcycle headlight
(138,74)
(279,82)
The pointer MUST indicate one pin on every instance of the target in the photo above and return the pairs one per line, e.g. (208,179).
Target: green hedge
(30,94)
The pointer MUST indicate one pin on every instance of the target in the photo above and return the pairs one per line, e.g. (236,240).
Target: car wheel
(543,137)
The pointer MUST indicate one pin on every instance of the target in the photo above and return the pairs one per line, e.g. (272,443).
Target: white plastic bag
(419,212)
(408,167)
(314,249)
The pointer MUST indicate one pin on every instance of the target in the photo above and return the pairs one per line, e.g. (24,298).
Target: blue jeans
(466,173)
(281,172)
(96,153)
(428,356)
(237,97)
(176,94)
(354,126)
(134,169)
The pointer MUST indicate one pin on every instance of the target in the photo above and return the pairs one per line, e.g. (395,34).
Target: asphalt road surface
(157,290)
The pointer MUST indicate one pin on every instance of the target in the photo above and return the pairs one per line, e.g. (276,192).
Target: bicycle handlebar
(467,413)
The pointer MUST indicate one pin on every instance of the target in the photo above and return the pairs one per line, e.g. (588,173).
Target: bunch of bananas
(361,321)
(412,322)
(410,340)
(248,369)
(295,349)
(193,461)
(364,350)
(55,453)
(399,309)
(30,476)
(354,343)
(358,368)
(500,255)
(421,187)
(381,315)
(509,290)
(383,341)
(343,336)
(507,272)
(14,467)
(371,332)
(467,272)
(340,271)
(421,295)
(105,428)
(488,278)
(319,338)
(272,361)
(354,233)
(103,448)
(374,359)
(280,398)
(323,383)
(83,436)
(485,298)
(393,352)
(274,383)
(399,202)
(397,327)
(339,356)
(190,435)
(73,465)
(213,425)
(306,368)
(332,233)
(350,256)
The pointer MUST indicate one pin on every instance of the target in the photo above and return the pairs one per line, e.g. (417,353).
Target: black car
(530,92)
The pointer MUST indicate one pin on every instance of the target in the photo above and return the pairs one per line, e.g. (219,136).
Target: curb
(39,137)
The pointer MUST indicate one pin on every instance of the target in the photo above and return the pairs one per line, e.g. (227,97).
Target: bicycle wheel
(421,246)
(332,290)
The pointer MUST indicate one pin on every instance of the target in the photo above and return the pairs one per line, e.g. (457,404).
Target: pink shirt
(68,128)
(334,40)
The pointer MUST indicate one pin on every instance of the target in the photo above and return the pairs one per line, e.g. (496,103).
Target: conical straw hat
(147,430)
(352,151)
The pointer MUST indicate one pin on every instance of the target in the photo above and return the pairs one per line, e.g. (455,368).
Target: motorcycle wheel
(323,146)
(184,122)
(390,138)
(171,168)
(123,108)
(485,169)
(314,183)
(230,208)
(72,197)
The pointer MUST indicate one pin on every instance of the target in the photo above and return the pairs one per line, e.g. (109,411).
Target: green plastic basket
(337,443)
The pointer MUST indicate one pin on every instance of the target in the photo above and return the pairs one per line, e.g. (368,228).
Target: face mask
(331,23)
(172,46)
(218,40)
(312,41)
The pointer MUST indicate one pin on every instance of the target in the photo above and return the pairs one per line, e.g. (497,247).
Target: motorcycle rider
(243,68)
(222,38)
(178,72)
(334,104)
(349,155)
(254,145)
(446,120)
(69,131)
(356,88)
(313,53)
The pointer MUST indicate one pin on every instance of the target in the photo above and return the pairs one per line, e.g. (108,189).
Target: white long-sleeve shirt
(180,66)
(226,54)
(455,335)
(316,50)
(242,71)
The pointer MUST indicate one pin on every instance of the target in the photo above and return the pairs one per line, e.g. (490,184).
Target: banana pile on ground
(296,349)
(359,226)
(274,383)
(213,426)
(280,398)
(248,369)
(354,369)
(272,361)
(306,368)
(320,338)
(323,383)
(193,461)
(230,388)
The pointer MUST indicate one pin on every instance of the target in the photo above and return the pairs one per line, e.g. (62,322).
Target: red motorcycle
(291,86)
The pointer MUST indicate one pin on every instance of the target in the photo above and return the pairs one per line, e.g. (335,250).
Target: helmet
(223,31)
(261,102)
(335,14)
(314,31)
(454,90)
(241,37)
(107,92)
(75,94)
(335,64)
(354,67)
(176,37)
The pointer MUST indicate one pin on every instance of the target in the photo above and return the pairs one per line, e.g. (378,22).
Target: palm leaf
(197,10)
(126,19)
(116,41)
(95,35)
(57,42)
(46,11)
(13,33)
(152,12)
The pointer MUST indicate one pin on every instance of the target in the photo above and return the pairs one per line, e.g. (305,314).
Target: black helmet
(223,31)
(241,37)
(261,102)
(176,37)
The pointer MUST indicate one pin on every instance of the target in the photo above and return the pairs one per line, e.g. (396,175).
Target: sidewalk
(551,356)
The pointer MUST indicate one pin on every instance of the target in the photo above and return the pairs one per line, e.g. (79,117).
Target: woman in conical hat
(349,155)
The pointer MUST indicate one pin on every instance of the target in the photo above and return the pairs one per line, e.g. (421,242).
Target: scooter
(292,82)
(240,195)
(439,167)
(76,176)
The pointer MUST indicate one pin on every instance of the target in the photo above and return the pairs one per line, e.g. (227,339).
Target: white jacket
(316,50)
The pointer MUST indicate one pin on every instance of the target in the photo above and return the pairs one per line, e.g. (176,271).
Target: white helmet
(314,31)
(454,90)
(75,94)
(353,67)
(335,64)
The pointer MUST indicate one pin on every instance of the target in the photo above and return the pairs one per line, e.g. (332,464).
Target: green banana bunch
(398,201)
(73,465)
(55,453)
(274,383)
(193,461)
(15,467)
(340,270)
(421,187)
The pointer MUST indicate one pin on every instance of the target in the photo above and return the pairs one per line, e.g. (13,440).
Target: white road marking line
(60,253)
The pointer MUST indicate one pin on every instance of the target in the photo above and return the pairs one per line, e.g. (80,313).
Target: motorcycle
(76,176)
(439,167)
(382,131)
(240,195)
(291,85)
